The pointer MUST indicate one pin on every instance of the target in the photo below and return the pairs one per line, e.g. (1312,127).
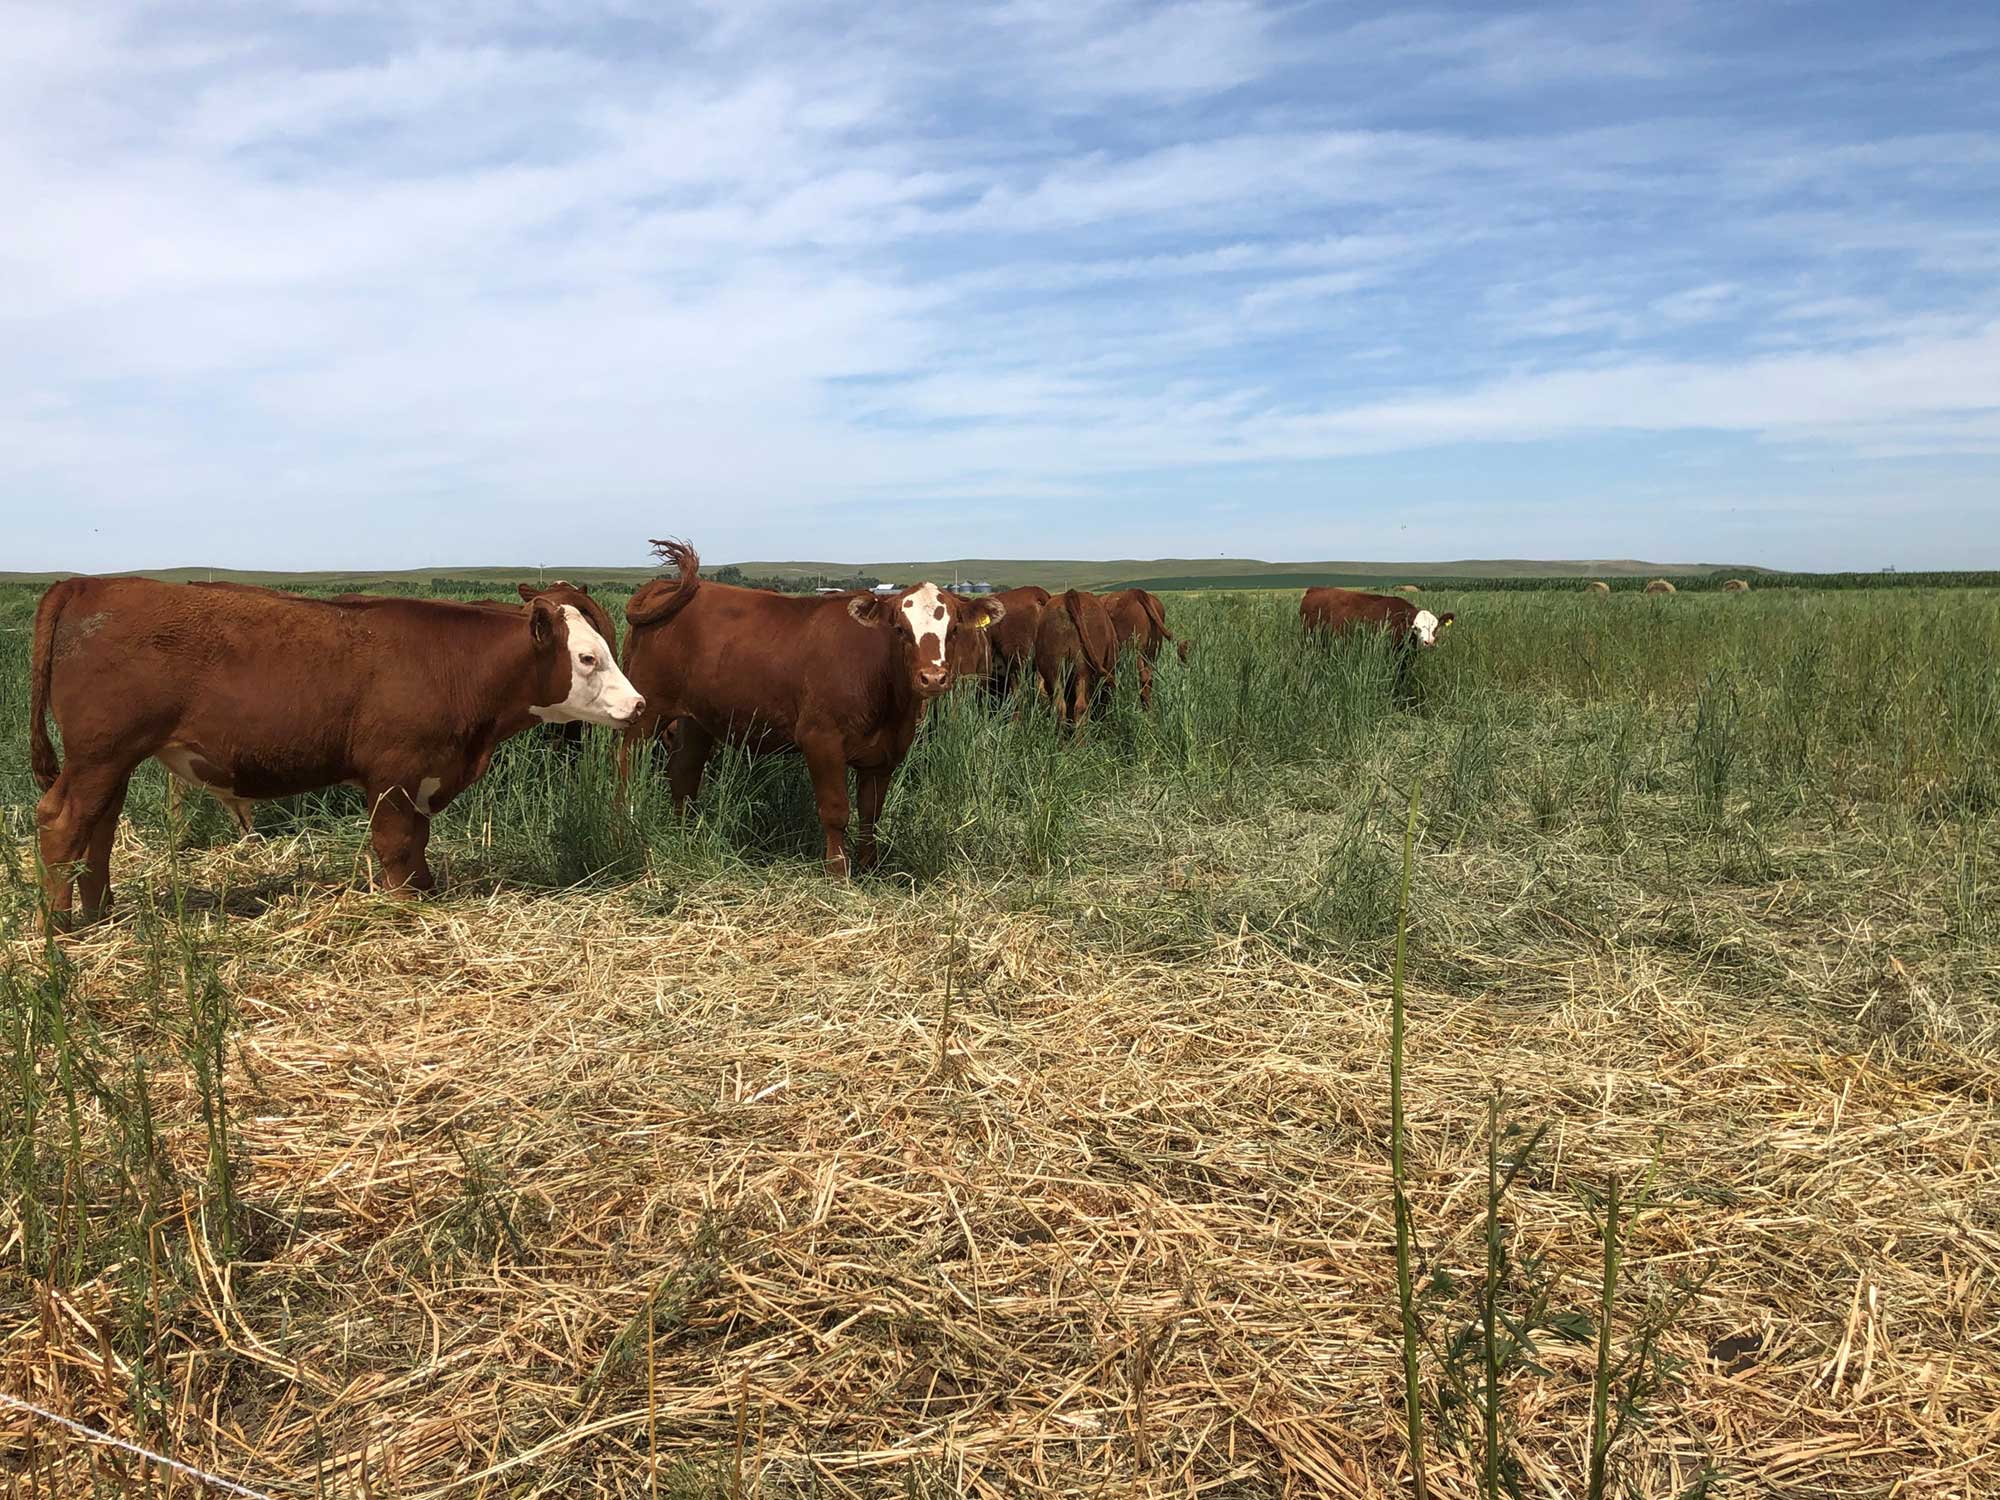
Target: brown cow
(1076,654)
(1140,618)
(1013,636)
(843,679)
(255,694)
(565,736)
(1337,611)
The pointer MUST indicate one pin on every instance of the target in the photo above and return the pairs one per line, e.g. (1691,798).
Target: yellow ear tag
(983,622)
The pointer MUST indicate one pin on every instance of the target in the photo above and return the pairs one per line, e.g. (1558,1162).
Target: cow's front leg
(400,835)
(873,790)
(827,766)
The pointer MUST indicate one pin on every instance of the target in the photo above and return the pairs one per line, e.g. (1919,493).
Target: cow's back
(748,664)
(1336,611)
(155,651)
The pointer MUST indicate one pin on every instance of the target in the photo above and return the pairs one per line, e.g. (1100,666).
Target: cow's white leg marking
(1426,625)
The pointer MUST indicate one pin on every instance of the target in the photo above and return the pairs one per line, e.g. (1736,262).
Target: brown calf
(1140,618)
(1076,654)
(1013,636)
(255,694)
(844,680)
(1338,611)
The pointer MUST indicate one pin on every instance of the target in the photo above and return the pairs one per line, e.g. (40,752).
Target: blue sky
(297,284)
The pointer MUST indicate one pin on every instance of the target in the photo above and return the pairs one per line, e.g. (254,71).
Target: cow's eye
(588,661)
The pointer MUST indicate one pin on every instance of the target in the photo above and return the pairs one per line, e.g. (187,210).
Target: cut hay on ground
(1736,586)
(1661,586)
(1597,586)
(1009,1214)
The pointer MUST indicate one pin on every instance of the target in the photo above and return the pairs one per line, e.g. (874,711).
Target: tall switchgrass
(1561,703)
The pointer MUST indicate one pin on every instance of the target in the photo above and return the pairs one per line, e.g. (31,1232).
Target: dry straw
(541,1186)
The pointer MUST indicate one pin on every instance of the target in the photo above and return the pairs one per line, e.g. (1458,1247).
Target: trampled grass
(642,1139)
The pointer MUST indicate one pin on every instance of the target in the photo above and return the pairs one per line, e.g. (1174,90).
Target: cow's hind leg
(827,765)
(686,762)
(93,881)
(76,820)
(872,790)
(400,835)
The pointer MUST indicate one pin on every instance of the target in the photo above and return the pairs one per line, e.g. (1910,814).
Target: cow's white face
(1426,627)
(598,692)
(928,618)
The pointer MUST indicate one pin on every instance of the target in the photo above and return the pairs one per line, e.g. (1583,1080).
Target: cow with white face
(253,694)
(599,693)
(920,618)
(843,680)
(1332,612)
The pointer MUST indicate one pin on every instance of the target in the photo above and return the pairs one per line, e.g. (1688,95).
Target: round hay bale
(1661,586)
(1597,586)
(1736,586)
(1408,588)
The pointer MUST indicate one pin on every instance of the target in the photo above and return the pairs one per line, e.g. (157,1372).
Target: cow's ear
(866,608)
(581,588)
(542,617)
(1447,618)
(984,612)
(528,592)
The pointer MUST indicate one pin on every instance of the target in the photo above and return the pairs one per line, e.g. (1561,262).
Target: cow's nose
(638,705)
(932,676)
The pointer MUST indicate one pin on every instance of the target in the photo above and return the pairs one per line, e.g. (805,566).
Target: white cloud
(409,276)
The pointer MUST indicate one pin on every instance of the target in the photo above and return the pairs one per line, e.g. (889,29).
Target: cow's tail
(1073,601)
(41,665)
(1157,613)
(662,598)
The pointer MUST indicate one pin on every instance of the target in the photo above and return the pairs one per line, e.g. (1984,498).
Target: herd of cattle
(249,693)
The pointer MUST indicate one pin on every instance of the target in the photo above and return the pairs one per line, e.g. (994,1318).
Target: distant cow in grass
(1076,654)
(254,694)
(844,680)
(1139,618)
(1339,611)
(1326,612)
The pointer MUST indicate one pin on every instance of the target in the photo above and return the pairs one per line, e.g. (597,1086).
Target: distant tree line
(803,584)
(1685,583)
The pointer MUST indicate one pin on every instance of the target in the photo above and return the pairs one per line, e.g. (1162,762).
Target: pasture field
(1054,1159)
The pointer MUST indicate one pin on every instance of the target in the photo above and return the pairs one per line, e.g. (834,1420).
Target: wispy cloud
(511,279)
